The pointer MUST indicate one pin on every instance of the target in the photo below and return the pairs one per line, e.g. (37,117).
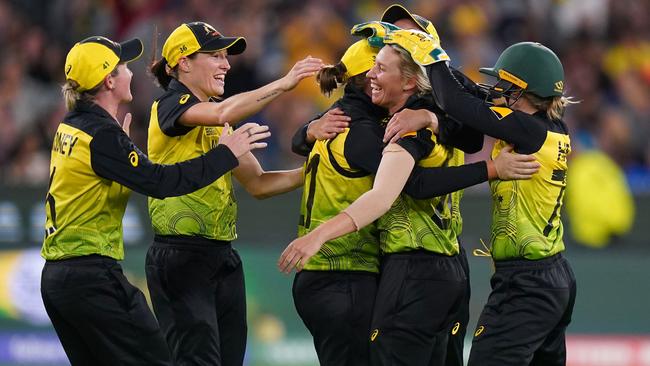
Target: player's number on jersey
(558,203)
(51,213)
(312,169)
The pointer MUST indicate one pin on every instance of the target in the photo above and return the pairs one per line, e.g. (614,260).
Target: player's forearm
(394,170)
(339,225)
(272,183)
(243,105)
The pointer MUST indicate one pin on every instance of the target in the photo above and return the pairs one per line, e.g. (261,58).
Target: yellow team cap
(396,12)
(90,60)
(359,58)
(189,38)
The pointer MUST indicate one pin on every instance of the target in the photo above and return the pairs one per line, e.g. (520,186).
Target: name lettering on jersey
(64,143)
(134,158)
(563,149)
(501,112)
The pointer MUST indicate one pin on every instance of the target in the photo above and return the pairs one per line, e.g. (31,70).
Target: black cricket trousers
(100,318)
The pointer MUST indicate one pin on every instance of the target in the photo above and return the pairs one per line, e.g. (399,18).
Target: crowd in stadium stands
(604,45)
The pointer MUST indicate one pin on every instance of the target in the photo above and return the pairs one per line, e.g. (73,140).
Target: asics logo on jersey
(374,335)
(134,158)
(479,331)
(454,330)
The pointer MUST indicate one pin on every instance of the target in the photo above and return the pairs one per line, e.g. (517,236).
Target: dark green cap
(532,67)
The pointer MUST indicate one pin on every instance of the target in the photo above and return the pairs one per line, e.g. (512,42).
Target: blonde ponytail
(554,107)
(70,94)
(558,105)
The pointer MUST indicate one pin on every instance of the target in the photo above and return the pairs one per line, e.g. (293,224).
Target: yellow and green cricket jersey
(94,167)
(210,212)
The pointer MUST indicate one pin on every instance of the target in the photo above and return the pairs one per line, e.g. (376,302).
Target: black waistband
(418,253)
(188,241)
(528,263)
(83,260)
(339,272)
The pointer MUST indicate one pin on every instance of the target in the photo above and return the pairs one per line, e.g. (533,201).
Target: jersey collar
(92,108)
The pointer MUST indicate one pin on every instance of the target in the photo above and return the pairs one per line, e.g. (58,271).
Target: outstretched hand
(304,68)
(245,138)
(298,253)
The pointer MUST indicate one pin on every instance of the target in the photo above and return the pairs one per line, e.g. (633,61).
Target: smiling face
(205,74)
(389,88)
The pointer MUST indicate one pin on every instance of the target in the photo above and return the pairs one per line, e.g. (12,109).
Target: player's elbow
(256,190)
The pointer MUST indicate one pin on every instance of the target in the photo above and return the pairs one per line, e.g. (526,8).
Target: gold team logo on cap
(559,86)
(211,31)
(133,158)
(374,335)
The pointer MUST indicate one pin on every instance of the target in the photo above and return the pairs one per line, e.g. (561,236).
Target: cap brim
(489,71)
(396,12)
(130,50)
(234,45)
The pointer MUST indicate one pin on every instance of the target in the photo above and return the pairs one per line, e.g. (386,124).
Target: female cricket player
(533,288)
(100,318)
(195,277)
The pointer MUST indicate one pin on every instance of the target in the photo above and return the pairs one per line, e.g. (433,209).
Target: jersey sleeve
(468,84)
(171,107)
(115,157)
(459,135)
(364,145)
(299,144)
(425,183)
(522,130)
(419,144)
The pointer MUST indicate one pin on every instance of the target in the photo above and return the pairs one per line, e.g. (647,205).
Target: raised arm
(240,106)
(500,122)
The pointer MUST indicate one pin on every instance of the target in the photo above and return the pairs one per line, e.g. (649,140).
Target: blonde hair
(71,95)
(410,69)
(554,106)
